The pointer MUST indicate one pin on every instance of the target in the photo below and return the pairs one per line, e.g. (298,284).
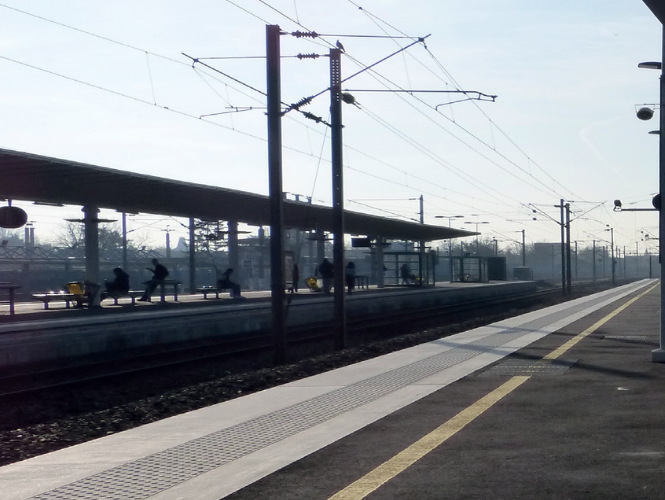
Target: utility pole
(421,257)
(612,255)
(124,241)
(563,249)
(658,355)
(278,293)
(604,259)
(568,266)
(192,255)
(593,255)
(168,241)
(637,259)
(523,248)
(338,195)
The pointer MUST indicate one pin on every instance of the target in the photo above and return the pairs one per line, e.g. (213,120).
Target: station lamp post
(658,9)
(477,243)
(523,246)
(611,230)
(450,218)
(450,242)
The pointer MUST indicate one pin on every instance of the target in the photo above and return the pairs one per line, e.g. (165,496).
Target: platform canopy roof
(41,179)
(658,9)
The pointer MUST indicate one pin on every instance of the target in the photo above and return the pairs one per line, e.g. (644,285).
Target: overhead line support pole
(658,355)
(338,195)
(124,241)
(563,250)
(612,255)
(192,255)
(421,256)
(278,292)
(569,276)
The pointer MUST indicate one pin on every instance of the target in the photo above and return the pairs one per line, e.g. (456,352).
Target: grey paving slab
(593,430)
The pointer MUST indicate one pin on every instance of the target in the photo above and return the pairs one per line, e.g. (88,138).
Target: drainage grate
(148,476)
(541,368)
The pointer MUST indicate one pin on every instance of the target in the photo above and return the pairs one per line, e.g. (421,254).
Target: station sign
(361,242)
(12,217)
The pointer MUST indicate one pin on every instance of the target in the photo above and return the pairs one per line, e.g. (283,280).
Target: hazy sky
(106,83)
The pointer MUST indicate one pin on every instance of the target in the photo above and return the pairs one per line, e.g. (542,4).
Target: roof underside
(29,177)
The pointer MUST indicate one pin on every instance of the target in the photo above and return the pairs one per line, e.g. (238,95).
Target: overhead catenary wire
(136,48)
(152,84)
(376,20)
(165,108)
(531,160)
(207,121)
(126,96)
(89,33)
(547,191)
(248,12)
(457,171)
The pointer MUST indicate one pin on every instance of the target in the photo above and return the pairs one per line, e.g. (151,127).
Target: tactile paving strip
(148,476)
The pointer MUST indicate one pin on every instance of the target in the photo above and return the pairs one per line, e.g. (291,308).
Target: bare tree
(110,237)
(12,237)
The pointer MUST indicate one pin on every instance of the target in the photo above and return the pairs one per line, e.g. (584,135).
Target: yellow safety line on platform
(400,462)
(385,472)
(572,342)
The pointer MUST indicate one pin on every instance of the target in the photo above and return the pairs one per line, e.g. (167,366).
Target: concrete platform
(577,410)
(53,335)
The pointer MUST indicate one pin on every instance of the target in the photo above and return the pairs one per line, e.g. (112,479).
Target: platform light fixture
(656,7)
(477,242)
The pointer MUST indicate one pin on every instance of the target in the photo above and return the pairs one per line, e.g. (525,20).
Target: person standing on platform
(327,272)
(405,273)
(159,274)
(350,277)
(296,278)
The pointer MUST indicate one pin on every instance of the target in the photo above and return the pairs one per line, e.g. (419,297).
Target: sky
(113,84)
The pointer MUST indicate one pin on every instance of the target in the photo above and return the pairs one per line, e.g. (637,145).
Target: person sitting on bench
(224,282)
(159,274)
(119,285)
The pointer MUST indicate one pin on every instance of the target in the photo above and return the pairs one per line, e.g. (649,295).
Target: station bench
(68,298)
(74,291)
(207,290)
(11,288)
(115,295)
(362,281)
(162,284)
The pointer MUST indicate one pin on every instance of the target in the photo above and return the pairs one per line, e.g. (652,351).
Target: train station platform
(563,402)
(37,336)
